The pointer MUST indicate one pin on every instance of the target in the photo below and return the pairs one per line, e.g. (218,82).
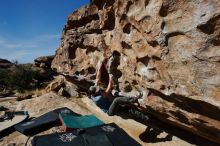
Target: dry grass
(37,92)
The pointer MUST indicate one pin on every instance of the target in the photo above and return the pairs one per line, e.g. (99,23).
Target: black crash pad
(104,135)
(42,123)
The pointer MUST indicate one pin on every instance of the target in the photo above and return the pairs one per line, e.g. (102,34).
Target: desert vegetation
(20,78)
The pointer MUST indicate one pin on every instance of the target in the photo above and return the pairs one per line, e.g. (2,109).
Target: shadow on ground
(150,135)
(158,126)
(155,127)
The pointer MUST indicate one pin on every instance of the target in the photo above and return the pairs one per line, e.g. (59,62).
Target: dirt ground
(42,104)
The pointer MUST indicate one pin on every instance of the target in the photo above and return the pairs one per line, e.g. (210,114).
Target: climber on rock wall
(103,98)
(107,67)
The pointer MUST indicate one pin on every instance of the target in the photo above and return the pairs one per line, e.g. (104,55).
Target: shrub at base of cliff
(21,78)
(3,74)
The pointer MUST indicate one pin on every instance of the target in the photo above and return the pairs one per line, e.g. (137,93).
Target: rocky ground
(39,105)
(168,49)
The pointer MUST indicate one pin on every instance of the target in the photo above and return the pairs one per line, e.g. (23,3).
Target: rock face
(5,63)
(170,49)
(63,87)
(43,65)
(44,61)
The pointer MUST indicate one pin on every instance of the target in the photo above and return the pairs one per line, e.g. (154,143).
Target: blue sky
(32,28)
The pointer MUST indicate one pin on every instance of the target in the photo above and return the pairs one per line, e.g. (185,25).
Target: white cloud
(26,50)
(7,45)
(27,43)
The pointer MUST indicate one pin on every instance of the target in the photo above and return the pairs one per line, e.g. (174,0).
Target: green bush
(22,78)
(3,75)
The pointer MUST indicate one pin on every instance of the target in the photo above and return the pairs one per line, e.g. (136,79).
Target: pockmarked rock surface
(169,49)
(43,66)
(44,61)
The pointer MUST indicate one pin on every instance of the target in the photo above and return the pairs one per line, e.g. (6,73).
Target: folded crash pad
(44,122)
(70,121)
(103,135)
(10,119)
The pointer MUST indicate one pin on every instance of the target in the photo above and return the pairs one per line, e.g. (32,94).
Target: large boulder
(56,84)
(44,61)
(64,87)
(167,48)
(43,66)
(5,63)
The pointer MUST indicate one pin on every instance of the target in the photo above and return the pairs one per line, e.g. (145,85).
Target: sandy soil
(40,105)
